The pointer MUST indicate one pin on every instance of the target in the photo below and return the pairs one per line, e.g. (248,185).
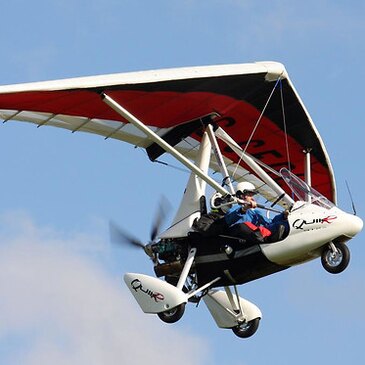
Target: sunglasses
(240,193)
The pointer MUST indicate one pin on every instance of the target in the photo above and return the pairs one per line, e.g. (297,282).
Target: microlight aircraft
(242,122)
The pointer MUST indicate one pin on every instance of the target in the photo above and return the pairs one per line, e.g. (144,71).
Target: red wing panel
(238,100)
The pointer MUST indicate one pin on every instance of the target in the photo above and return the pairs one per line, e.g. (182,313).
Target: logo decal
(137,286)
(299,223)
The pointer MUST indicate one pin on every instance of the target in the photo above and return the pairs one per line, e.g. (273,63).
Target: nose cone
(354,225)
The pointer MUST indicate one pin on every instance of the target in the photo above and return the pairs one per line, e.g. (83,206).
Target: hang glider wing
(176,104)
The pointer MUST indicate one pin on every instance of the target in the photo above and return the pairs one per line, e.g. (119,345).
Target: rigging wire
(262,113)
(257,124)
(163,162)
(285,129)
(172,166)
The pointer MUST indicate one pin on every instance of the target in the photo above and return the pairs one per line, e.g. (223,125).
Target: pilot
(246,221)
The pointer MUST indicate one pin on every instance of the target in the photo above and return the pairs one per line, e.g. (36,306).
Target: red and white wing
(176,104)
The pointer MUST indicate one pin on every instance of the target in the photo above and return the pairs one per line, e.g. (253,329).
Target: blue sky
(62,296)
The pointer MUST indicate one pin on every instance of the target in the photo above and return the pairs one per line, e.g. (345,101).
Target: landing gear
(335,258)
(247,329)
(172,315)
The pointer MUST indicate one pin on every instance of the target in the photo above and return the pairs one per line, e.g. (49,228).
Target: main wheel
(247,329)
(172,315)
(336,262)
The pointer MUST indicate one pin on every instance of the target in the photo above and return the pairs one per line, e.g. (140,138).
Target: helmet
(245,187)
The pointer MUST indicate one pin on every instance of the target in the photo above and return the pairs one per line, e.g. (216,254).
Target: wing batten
(81,125)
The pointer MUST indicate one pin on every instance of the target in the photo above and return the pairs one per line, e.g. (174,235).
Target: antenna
(352,200)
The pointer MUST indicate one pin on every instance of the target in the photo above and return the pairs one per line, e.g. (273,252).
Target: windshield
(303,191)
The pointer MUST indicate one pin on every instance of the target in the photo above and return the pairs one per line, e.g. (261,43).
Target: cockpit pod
(317,228)
(349,224)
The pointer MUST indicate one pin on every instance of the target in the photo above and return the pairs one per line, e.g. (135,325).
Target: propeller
(162,211)
(121,237)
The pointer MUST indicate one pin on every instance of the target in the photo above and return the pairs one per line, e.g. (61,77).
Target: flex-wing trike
(194,265)
(194,113)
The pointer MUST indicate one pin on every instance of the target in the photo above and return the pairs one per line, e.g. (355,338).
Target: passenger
(245,221)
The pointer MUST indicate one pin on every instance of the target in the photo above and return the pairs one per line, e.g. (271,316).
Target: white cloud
(58,306)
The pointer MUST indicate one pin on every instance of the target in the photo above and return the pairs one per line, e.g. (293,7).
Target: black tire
(172,315)
(336,263)
(248,329)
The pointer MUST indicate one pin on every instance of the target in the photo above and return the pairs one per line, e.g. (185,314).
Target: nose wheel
(247,329)
(335,258)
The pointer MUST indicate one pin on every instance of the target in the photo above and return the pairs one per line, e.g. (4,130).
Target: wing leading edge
(176,104)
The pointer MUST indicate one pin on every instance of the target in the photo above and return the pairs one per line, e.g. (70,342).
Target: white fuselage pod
(311,227)
(154,295)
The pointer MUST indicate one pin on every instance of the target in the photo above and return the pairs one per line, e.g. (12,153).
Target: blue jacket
(236,216)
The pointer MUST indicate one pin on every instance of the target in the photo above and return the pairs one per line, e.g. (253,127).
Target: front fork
(333,248)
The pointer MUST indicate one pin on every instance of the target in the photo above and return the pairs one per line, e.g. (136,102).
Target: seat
(278,235)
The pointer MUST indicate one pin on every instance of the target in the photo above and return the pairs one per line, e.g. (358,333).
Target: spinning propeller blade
(121,237)
(160,217)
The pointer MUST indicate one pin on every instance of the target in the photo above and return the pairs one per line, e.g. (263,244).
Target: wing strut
(307,170)
(162,143)
(221,134)
(219,158)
